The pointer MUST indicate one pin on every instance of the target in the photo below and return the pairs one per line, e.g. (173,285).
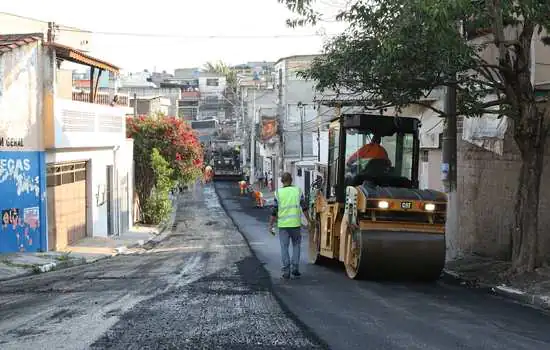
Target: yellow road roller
(366,206)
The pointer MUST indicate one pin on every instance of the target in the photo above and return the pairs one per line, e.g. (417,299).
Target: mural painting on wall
(20,202)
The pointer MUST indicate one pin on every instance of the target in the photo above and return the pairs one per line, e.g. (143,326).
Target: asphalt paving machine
(226,164)
(370,213)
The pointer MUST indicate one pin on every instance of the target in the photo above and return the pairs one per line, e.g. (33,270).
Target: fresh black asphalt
(350,315)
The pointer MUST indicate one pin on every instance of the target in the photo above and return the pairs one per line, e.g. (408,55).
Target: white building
(295,92)
(87,159)
(212,96)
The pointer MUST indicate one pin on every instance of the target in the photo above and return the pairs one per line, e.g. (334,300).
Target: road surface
(349,314)
(199,289)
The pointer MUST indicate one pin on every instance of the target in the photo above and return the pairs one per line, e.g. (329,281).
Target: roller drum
(402,255)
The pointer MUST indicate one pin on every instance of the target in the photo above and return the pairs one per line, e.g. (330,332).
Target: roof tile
(9,42)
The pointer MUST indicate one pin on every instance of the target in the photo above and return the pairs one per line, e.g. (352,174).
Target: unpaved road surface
(199,289)
(366,315)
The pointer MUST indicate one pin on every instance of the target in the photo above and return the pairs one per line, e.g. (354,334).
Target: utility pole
(278,171)
(448,167)
(243,135)
(449,164)
(50,37)
(253,139)
(301,108)
(318,132)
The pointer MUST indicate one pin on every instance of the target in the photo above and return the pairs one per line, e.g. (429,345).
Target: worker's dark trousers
(287,234)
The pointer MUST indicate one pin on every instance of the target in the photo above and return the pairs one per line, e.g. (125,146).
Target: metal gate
(67,203)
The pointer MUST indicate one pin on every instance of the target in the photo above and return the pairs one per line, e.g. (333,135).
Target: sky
(180,20)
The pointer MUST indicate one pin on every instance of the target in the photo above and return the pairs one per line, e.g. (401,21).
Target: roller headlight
(429,207)
(383,205)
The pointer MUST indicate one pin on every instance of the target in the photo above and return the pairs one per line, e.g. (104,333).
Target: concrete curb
(537,301)
(54,266)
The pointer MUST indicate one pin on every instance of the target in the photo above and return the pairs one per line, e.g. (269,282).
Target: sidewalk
(87,250)
(532,289)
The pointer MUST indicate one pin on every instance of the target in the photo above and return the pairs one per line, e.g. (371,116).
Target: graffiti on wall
(21,201)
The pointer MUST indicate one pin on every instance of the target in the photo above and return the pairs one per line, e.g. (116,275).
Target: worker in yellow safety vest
(288,206)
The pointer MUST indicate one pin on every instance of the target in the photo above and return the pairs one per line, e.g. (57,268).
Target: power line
(63,28)
(23,17)
(179,36)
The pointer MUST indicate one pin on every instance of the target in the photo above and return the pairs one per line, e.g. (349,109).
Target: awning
(73,55)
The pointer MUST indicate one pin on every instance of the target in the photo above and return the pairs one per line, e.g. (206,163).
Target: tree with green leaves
(158,206)
(176,143)
(396,51)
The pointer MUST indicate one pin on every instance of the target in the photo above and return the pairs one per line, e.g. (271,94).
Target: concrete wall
(542,53)
(82,124)
(486,190)
(124,158)
(64,84)
(22,169)
(430,171)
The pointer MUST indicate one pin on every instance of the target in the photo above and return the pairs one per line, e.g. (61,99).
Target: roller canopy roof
(380,124)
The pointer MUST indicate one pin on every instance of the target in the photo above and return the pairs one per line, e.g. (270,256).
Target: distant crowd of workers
(263,181)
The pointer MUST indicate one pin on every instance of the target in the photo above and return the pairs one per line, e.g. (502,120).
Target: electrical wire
(63,28)
(179,36)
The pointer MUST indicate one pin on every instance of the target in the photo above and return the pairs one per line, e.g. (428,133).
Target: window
(369,161)
(211,99)
(188,112)
(60,174)
(212,82)
(425,156)
(204,124)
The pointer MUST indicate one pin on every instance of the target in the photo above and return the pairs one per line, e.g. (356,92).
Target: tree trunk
(143,183)
(530,137)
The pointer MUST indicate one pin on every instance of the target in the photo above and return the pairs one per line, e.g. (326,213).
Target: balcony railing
(102,98)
